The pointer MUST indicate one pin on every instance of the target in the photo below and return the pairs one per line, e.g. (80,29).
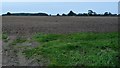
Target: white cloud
(60,0)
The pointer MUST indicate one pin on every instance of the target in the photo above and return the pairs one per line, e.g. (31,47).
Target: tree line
(71,13)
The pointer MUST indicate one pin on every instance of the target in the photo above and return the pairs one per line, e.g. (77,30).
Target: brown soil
(32,24)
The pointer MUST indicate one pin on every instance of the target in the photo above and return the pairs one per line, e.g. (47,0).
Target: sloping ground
(32,24)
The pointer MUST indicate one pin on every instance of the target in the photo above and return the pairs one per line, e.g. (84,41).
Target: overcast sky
(59,7)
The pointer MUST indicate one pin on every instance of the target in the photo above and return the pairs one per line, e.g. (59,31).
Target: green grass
(18,40)
(46,37)
(5,37)
(89,49)
(0,36)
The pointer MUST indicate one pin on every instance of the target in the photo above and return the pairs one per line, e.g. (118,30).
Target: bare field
(32,24)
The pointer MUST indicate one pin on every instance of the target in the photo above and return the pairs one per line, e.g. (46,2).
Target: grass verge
(76,49)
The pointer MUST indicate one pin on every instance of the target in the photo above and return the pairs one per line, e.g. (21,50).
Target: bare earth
(24,25)
(32,24)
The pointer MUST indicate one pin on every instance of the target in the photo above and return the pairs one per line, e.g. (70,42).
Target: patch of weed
(5,37)
(46,37)
(18,40)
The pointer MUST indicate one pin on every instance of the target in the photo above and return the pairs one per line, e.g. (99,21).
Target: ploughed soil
(33,24)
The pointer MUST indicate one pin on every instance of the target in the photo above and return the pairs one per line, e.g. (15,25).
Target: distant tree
(50,15)
(94,13)
(42,14)
(110,13)
(85,14)
(64,14)
(58,14)
(71,13)
(90,12)
(8,13)
(118,14)
(79,14)
(114,14)
(100,15)
(107,14)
